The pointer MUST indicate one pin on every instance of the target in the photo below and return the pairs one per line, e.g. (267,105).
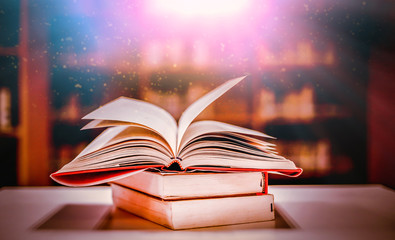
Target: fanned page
(208,126)
(135,111)
(100,140)
(198,106)
(116,153)
(106,123)
(122,146)
(212,144)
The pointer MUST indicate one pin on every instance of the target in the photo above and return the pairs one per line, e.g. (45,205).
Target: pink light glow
(156,53)
(200,53)
(197,9)
(243,35)
(153,53)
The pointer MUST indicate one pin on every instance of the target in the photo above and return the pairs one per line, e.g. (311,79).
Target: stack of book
(180,200)
(220,166)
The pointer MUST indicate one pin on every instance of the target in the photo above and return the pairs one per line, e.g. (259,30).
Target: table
(304,212)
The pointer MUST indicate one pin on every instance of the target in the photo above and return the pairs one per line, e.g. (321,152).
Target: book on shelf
(195,213)
(140,135)
(183,185)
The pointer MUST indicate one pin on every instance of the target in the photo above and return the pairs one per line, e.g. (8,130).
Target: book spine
(265,179)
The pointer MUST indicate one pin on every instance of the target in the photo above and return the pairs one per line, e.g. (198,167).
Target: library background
(321,77)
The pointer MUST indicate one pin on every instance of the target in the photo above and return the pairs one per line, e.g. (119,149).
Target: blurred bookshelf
(309,91)
(294,94)
(24,116)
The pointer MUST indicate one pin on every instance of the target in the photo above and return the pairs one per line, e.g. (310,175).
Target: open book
(140,135)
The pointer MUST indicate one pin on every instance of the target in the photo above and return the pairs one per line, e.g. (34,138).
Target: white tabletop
(310,212)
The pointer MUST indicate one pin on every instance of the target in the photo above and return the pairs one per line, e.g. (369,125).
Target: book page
(139,112)
(133,133)
(209,126)
(101,140)
(228,145)
(198,106)
(235,161)
(122,145)
(107,123)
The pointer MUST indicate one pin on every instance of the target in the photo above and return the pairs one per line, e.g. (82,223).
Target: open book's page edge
(100,176)
(95,176)
(285,172)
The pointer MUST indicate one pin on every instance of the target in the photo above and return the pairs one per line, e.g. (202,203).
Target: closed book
(195,213)
(182,185)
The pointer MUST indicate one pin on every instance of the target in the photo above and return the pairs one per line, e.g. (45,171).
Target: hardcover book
(195,213)
(141,136)
(184,185)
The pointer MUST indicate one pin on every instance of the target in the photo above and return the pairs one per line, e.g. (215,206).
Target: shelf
(9,51)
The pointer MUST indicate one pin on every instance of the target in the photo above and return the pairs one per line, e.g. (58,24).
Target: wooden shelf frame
(34,122)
